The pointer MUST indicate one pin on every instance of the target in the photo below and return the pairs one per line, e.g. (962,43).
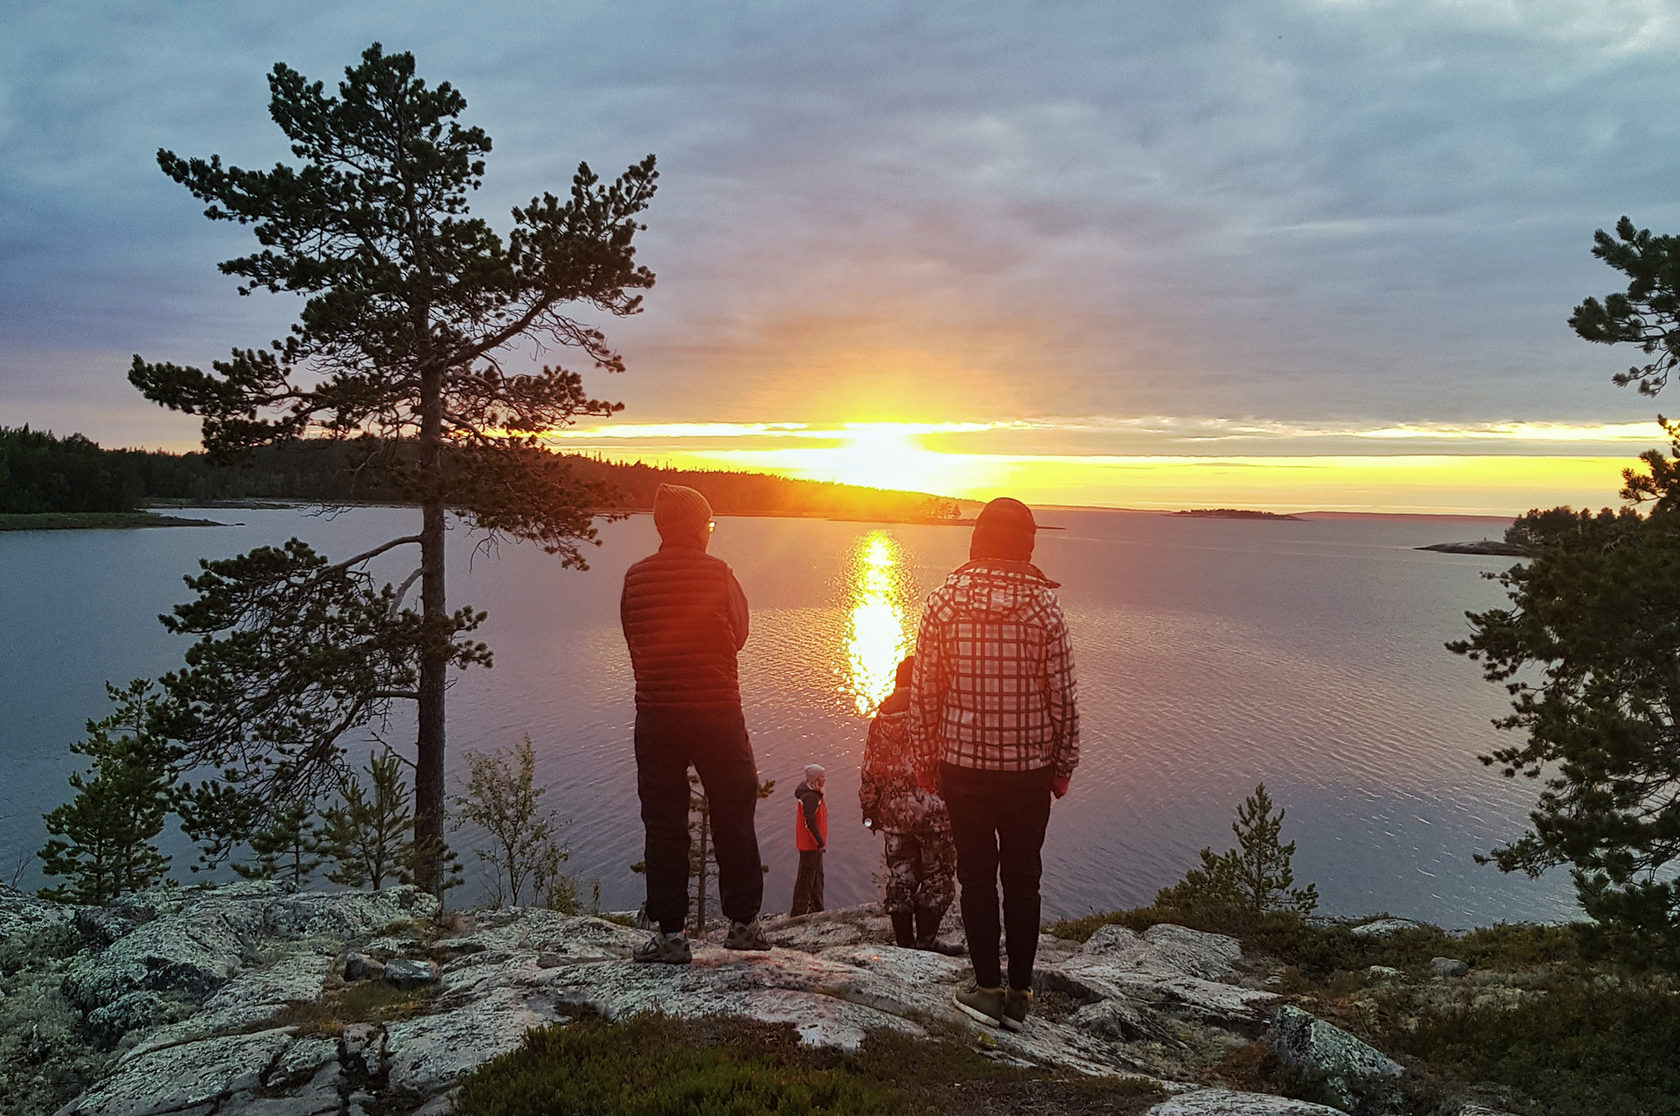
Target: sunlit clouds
(1500,468)
(1140,255)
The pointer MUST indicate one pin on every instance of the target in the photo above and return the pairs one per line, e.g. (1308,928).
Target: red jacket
(810,810)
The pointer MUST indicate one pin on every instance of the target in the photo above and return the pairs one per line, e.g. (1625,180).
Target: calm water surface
(1212,655)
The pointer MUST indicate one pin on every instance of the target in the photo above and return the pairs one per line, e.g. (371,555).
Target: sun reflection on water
(878,631)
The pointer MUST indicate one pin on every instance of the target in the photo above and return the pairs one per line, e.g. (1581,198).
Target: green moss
(647,1067)
(721,1067)
(367,1001)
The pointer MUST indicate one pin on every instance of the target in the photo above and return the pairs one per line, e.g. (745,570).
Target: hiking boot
(664,949)
(904,929)
(939,945)
(983,1004)
(745,935)
(1017,1002)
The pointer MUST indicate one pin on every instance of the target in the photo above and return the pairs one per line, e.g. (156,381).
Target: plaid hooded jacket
(993,687)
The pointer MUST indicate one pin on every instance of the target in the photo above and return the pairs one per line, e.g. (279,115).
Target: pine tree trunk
(700,887)
(434,648)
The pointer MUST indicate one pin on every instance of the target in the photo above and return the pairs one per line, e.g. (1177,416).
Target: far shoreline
(97,521)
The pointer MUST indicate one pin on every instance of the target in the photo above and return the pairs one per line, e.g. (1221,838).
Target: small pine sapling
(369,836)
(287,849)
(1241,885)
(102,838)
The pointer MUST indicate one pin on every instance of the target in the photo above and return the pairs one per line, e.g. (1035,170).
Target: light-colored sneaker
(1016,1004)
(982,1004)
(664,949)
(745,935)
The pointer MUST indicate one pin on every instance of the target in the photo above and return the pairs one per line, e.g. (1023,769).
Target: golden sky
(1490,470)
(1318,254)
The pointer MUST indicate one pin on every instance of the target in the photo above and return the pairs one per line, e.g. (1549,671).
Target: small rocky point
(224,1001)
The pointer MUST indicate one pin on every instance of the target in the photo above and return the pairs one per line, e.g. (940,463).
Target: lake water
(1212,655)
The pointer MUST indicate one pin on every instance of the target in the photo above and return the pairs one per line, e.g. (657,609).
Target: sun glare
(877,622)
(884,456)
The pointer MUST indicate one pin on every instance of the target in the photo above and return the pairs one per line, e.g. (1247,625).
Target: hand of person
(928,781)
(1059,785)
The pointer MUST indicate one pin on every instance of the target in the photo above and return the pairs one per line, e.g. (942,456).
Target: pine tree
(702,862)
(410,306)
(102,838)
(287,849)
(369,836)
(1243,884)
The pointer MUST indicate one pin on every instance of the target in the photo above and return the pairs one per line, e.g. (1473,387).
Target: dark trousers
(808,884)
(717,746)
(997,821)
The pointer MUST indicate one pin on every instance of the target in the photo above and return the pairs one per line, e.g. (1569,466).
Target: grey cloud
(1300,209)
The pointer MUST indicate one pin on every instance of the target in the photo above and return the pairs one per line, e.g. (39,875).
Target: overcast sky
(1261,227)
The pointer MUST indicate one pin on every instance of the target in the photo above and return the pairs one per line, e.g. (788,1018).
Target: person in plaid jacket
(995,726)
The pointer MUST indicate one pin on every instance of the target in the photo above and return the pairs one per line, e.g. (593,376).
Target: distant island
(1234,513)
(69,521)
(1497,547)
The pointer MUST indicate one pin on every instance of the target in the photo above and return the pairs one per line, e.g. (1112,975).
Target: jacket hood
(995,587)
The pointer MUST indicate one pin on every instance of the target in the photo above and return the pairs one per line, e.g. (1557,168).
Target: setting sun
(885,456)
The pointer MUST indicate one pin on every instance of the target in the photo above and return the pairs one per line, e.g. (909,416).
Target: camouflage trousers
(921,871)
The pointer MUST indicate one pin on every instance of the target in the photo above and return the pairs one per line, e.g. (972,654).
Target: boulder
(409,974)
(1356,1076)
(138,1010)
(21,913)
(1379,927)
(1223,1102)
(359,966)
(1192,952)
(346,915)
(1448,967)
(187,956)
(177,1078)
(426,1054)
(1117,963)
(102,925)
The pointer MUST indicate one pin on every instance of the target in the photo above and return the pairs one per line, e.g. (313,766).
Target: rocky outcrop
(1223,1102)
(1356,1076)
(234,1000)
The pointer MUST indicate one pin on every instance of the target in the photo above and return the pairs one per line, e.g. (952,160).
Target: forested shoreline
(41,472)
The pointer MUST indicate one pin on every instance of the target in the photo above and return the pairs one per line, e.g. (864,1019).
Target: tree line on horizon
(41,472)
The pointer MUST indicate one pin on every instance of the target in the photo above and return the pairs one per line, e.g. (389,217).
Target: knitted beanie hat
(814,770)
(681,514)
(1004,529)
